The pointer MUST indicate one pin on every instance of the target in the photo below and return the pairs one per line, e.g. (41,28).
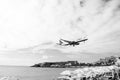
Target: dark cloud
(47,43)
(118,7)
(82,3)
(106,1)
(116,11)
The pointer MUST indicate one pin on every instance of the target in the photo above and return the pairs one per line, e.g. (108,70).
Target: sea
(30,73)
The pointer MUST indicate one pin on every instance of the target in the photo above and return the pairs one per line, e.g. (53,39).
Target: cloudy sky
(30,29)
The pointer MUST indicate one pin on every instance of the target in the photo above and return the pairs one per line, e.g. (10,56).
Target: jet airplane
(71,43)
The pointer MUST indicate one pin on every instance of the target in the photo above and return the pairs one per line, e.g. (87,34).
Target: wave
(9,78)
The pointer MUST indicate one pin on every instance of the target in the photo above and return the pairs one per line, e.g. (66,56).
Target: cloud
(32,28)
(47,43)
(44,57)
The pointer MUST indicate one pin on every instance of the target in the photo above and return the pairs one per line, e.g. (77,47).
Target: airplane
(71,43)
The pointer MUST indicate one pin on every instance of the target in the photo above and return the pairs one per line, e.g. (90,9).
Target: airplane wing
(65,40)
(82,40)
(62,43)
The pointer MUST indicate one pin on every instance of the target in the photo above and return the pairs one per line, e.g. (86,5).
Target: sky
(30,29)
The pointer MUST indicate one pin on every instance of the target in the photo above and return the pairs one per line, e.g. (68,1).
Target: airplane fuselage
(73,43)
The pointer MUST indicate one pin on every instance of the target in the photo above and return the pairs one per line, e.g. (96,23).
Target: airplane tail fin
(60,42)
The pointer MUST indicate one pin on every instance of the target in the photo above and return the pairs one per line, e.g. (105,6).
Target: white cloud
(44,57)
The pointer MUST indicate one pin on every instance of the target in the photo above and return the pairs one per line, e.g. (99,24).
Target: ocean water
(30,73)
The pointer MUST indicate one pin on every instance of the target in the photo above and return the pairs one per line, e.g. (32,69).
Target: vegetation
(102,62)
(57,64)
